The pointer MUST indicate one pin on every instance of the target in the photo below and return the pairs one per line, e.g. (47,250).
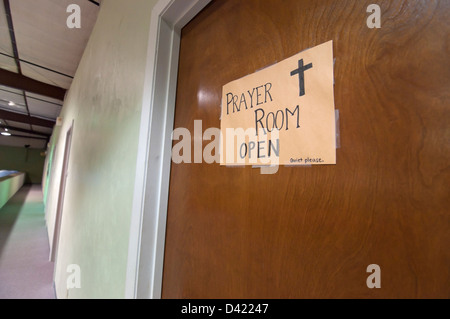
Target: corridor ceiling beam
(30,137)
(17,129)
(23,118)
(27,84)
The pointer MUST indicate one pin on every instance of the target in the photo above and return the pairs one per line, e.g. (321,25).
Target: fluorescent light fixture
(6,134)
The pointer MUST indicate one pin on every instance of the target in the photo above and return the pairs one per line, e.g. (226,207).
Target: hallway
(25,272)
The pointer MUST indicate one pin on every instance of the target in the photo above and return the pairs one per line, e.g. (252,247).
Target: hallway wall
(104,103)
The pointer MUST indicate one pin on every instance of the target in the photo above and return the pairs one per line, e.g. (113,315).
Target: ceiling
(39,55)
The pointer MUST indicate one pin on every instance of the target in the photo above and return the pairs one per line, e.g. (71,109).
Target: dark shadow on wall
(25,271)
(9,213)
(23,159)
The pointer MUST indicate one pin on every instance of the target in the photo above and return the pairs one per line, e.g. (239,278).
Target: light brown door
(312,232)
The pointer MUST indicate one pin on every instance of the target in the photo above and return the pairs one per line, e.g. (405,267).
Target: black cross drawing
(301,75)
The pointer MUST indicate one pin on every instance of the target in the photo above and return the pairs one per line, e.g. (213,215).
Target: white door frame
(151,190)
(61,194)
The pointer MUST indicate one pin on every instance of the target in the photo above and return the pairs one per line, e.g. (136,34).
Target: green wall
(9,185)
(104,104)
(28,161)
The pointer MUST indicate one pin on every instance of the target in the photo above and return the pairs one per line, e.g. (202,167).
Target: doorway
(61,193)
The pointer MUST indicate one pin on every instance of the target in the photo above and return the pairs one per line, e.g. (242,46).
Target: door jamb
(61,194)
(154,157)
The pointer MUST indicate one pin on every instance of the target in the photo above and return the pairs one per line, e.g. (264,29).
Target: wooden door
(312,232)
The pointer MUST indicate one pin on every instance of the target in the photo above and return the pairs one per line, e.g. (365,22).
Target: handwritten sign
(283,114)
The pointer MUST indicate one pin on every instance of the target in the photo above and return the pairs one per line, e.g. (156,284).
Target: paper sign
(283,114)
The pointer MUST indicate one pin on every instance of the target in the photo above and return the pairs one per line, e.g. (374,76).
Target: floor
(25,270)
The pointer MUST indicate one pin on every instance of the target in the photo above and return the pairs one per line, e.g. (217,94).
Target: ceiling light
(6,130)
(6,134)
(11,103)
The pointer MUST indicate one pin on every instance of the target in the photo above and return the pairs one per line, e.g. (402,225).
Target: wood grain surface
(311,232)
